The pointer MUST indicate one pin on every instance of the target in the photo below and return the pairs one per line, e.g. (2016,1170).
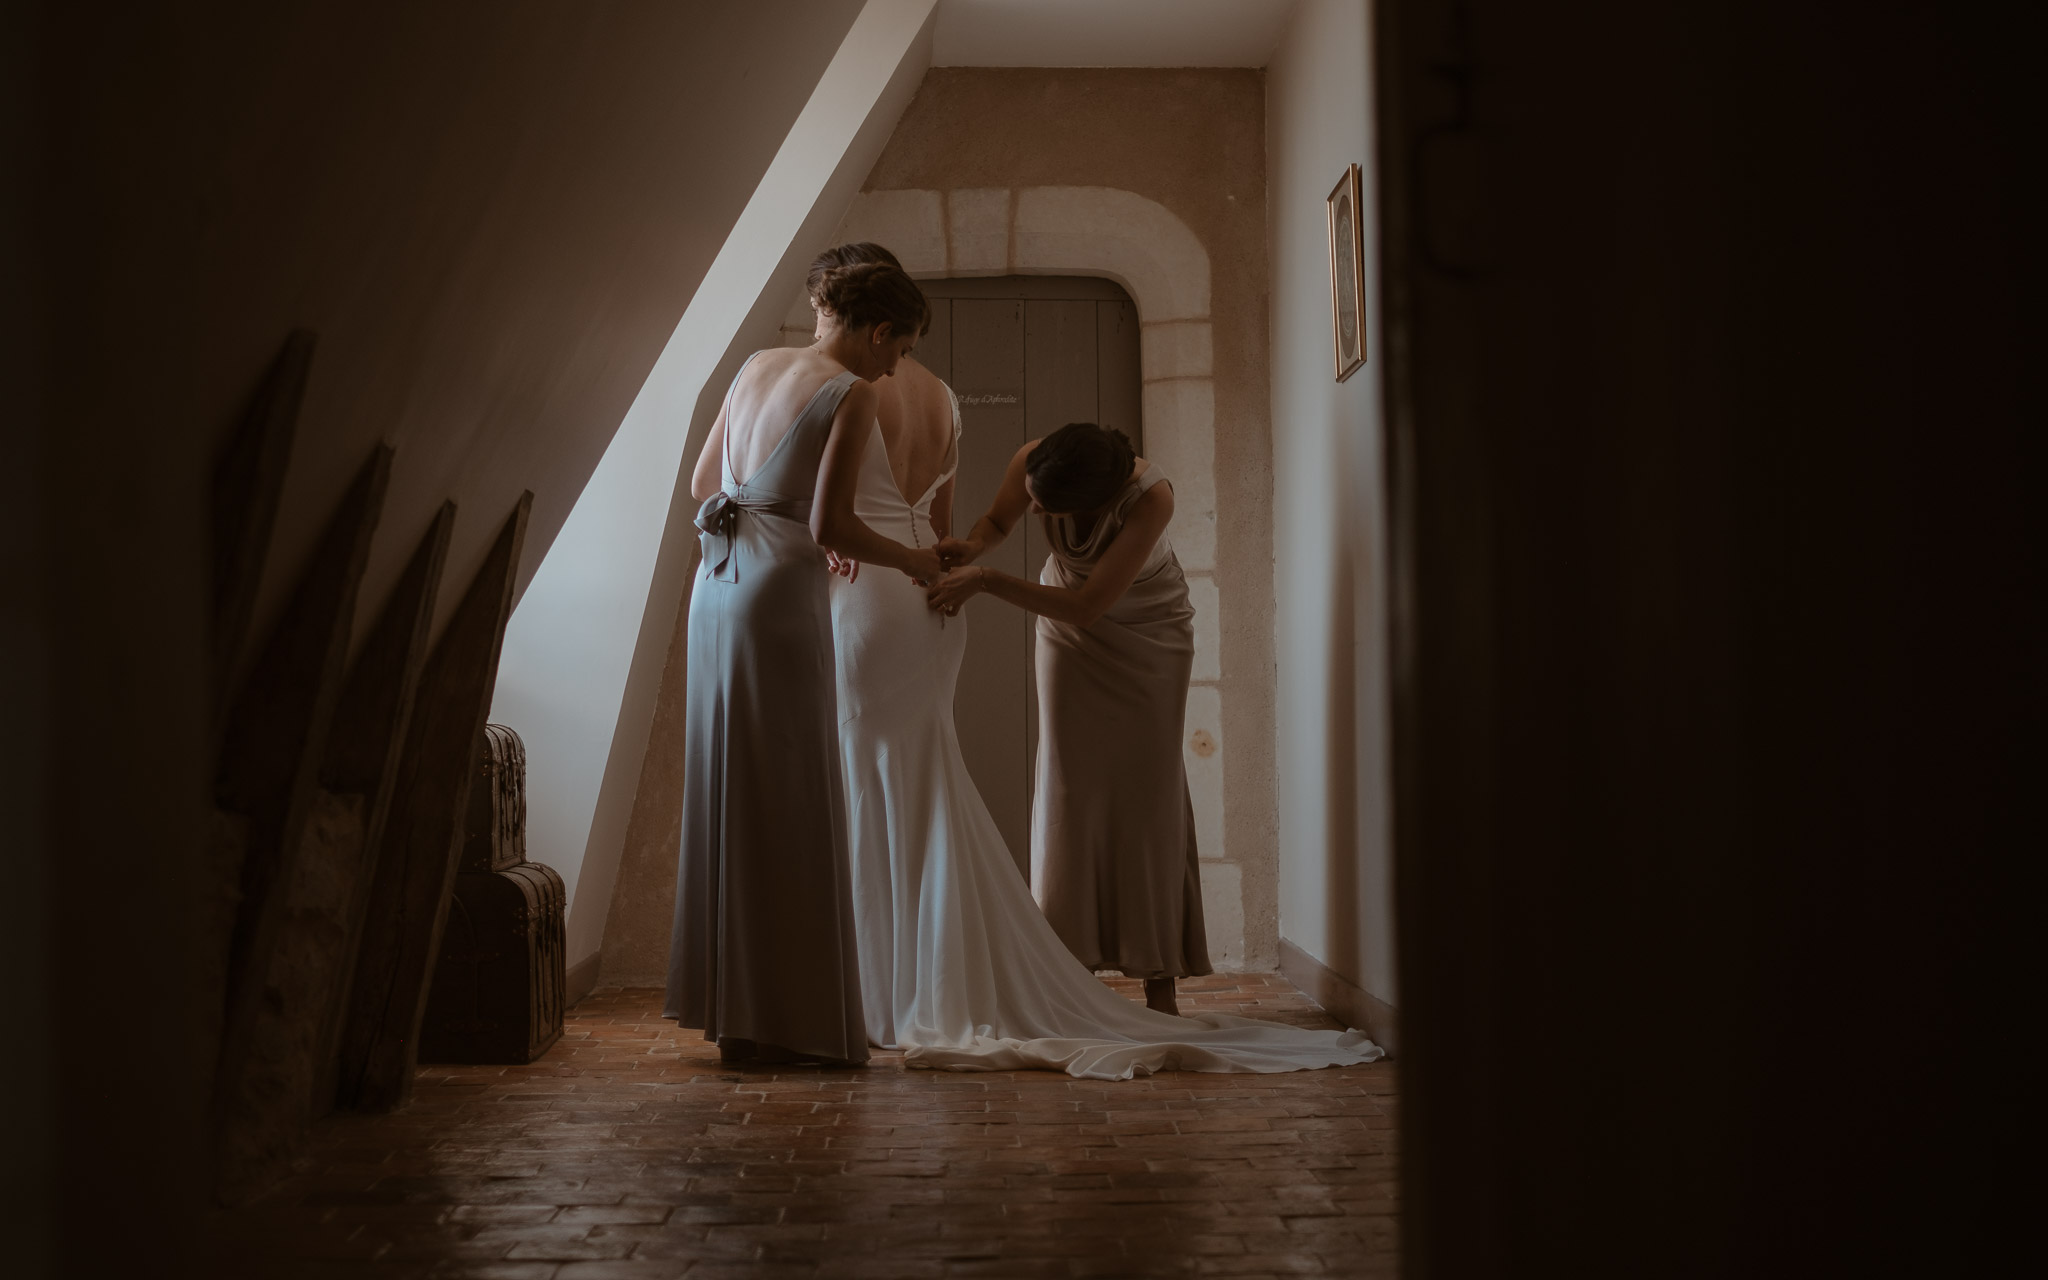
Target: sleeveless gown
(763,942)
(958,967)
(1115,863)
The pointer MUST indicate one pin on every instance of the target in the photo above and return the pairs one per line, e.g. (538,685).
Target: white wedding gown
(958,967)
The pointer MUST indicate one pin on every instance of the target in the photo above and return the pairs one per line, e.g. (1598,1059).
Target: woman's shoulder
(776,370)
(765,366)
(938,398)
(776,361)
(1149,486)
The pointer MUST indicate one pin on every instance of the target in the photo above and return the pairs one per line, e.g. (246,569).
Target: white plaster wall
(1336,868)
(570,647)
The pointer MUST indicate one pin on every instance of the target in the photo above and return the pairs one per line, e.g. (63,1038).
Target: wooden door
(1026,355)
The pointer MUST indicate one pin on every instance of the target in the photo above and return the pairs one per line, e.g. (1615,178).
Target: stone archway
(1163,265)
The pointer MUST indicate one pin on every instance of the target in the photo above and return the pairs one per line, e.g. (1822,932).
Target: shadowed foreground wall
(493,214)
(1714,397)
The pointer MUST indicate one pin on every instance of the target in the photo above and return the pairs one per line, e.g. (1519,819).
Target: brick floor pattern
(629,1151)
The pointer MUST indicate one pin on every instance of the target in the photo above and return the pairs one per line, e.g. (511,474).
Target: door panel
(1060,387)
(935,349)
(1059,365)
(1026,355)
(992,703)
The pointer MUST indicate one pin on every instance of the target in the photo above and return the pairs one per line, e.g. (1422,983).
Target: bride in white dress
(959,969)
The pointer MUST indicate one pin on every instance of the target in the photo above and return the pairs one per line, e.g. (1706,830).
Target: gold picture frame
(1347,273)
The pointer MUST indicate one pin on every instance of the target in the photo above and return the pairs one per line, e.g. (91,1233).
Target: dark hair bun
(845,255)
(867,294)
(1080,467)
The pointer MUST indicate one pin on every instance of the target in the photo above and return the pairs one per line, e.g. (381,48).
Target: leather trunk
(499,983)
(495,828)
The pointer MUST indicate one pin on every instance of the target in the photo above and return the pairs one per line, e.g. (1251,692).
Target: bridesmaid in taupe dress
(1112,828)
(762,954)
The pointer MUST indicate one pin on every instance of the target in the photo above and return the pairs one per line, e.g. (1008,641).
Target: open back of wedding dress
(958,967)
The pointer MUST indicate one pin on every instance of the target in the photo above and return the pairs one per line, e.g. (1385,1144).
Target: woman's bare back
(772,390)
(917,428)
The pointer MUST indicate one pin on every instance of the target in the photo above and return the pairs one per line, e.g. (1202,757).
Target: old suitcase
(498,986)
(495,830)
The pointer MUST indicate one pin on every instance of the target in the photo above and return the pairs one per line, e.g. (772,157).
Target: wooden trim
(1346,1001)
(274,739)
(369,734)
(271,754)
(247,485)
(582,978)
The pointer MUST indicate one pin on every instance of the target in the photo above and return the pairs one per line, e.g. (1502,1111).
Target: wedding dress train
(959,968)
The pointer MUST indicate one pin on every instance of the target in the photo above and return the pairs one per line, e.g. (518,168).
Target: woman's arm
(942,501)
(834,525)
(1112,576)
(1010,504)
(709,477)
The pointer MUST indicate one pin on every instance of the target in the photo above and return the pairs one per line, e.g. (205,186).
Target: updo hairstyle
(846,255)
(830,266)
(1080,467)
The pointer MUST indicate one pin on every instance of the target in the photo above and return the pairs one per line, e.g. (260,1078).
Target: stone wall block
(911,224)
(1203,595)
(1177,349)
(1135,241)
(1223,914)
(1180,436)
(978,224)
(1202,749)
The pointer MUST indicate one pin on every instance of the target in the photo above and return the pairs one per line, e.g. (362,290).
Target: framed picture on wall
(1347,275)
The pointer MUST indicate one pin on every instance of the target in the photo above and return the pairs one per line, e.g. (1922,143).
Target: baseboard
(1352,1005)
(581,979)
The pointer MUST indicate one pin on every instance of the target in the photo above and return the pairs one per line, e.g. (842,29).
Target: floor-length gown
(958,967)
(1115,862)
(763,944)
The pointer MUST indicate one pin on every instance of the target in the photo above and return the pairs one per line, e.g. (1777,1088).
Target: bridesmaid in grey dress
(1112,827)
(762,954)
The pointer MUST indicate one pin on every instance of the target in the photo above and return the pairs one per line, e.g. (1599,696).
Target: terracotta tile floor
(629,1151)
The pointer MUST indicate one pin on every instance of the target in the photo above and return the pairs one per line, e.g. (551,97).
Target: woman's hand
(845,566)
(958,551)
(956,589)
(923,565)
